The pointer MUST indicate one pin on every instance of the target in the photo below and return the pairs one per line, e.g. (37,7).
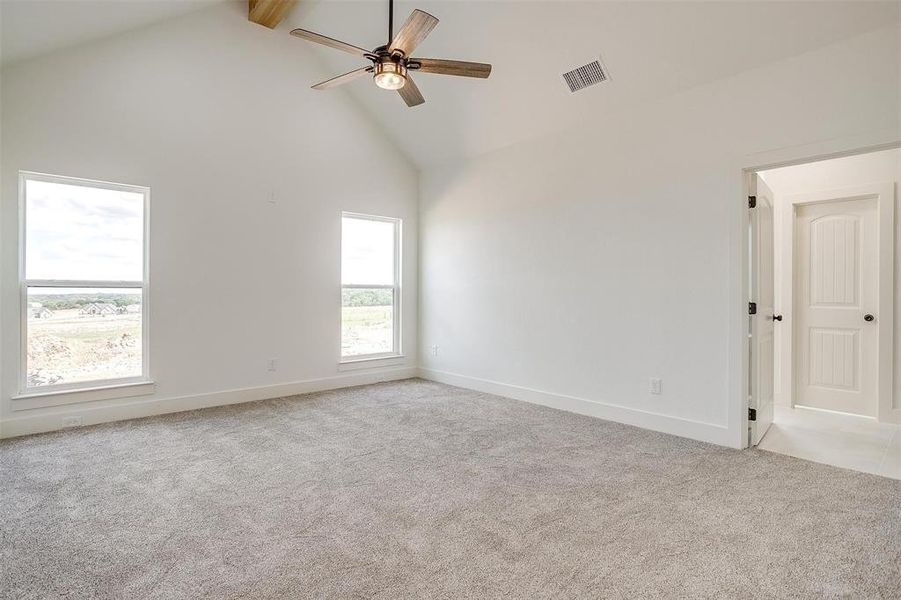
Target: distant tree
(366,297)
(69,301)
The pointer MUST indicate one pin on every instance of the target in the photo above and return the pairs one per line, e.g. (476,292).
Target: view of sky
(367,252)
(80,232)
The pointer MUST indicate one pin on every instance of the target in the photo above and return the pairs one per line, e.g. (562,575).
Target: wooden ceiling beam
(269,13)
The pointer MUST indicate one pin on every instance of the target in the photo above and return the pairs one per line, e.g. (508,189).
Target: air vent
(590,74)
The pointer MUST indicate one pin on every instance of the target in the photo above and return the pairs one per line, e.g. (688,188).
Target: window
(83,281)
(370,287)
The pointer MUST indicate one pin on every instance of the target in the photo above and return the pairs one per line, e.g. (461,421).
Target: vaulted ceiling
(30,28)
(652,49)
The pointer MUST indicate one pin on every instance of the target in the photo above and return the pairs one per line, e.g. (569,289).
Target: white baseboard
(44,421)
(892,416)
(697,430)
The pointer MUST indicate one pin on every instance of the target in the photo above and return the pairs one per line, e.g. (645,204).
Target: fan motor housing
(390,64)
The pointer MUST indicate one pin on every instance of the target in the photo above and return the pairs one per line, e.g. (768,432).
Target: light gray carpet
(416,489)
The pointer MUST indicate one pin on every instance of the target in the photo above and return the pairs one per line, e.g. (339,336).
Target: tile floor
(841,440)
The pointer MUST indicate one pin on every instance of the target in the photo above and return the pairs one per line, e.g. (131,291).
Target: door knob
(869,318)
(777,317)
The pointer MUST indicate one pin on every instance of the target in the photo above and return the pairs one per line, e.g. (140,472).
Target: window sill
(373,362)
(43,399)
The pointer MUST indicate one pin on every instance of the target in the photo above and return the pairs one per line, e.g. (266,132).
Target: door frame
(884,195)
(747,167)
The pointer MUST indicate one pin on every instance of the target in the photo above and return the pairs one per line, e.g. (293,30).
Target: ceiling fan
(391,63)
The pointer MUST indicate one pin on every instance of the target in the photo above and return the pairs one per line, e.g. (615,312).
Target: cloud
(80,232)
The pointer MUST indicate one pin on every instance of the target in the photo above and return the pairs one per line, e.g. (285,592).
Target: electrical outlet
(272,365)
(73,421)
(435,350)
(655,387)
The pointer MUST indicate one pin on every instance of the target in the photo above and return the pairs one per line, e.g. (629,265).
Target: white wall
(851,171)
(571,269)
(215,114)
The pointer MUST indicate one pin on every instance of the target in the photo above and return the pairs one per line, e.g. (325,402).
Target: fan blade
(330,42)
(341,79)
(415,29)
(452,67)
(410,93)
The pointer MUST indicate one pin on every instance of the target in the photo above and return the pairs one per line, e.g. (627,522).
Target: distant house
(133,309)
(36,310)
(98,309)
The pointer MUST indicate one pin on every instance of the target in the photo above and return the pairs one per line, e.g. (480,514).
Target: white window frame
(24,284)
(395,287)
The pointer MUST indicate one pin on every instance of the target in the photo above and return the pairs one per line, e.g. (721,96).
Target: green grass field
(366,330)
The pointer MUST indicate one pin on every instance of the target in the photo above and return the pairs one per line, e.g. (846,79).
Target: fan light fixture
(390,75)
(391,64)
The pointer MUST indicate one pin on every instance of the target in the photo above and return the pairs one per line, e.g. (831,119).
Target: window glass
(367,321)
(81,232)
(367,251)
(84,288)
(370,286)
(83,334)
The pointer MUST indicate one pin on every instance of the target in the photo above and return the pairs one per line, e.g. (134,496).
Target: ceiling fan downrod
(390,21)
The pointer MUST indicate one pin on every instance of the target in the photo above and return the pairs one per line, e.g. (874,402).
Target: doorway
(823,258)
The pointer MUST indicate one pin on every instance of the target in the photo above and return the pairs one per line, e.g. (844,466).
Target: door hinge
(752,308)
(752,201)
(752,414)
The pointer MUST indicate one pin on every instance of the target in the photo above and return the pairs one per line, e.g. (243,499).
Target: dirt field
(67,347)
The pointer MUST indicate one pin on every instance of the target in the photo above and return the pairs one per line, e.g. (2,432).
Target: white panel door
(762,335)
(836,294)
